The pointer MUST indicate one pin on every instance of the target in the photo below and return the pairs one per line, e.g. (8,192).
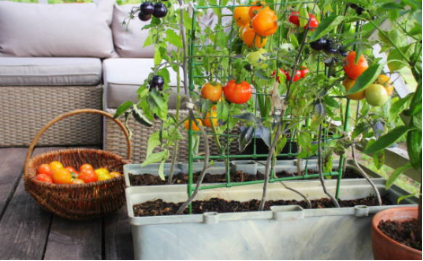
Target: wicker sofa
(85,59)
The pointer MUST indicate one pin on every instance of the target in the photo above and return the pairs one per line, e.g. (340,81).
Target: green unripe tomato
(376,95)
(257,59)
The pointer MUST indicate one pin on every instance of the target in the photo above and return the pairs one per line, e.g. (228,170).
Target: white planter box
(284,232)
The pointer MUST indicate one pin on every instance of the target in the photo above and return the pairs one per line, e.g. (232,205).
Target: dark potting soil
(149,179)
(406,233)
(160,208)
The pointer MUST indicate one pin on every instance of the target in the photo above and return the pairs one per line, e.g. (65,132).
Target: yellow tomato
(101,171)
(103,176)
(348,84)
(209,120)
(55,165)
(115,174)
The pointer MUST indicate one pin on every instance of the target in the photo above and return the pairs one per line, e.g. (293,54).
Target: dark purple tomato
(157,81)
(147,8)
(318,44)
(144,17)
(330,47)
(343,51)
(160,10)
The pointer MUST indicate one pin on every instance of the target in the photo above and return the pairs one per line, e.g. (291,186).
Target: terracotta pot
(387,248)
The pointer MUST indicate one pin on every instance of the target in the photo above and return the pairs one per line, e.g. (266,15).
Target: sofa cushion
(123,77)
(41,30)
(129,38)
(38,71)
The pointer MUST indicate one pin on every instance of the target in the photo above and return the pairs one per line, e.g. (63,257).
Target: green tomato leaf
(153,142)
(326,26)
(174,38)
(140,117)
(396,60)
(161,170)
(123,108)
(388,139)
(395,174)
(303,17)
(155,157)
(367,78)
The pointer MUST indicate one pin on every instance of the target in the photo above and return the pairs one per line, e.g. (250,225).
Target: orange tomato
(62,176)
(55,165)
(44,178)
(209,120)
(103,176)
(257,6)
(241,15)
(72,170)
(194,125)
(251,38)
(77,181)
(238,93)
(211,91)
(348,84)
(44,169)
(385,81)
(88,175)
(86,166)
(265,23)
(353,70)
(115,174)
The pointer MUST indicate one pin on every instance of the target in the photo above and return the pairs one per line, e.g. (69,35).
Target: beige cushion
(37,71)
(129,39)
(123,77)
(80,30)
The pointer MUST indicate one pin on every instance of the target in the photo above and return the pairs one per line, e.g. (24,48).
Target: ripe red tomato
(353,70)
(88,175)
(304,72)
(211,91)
(293,18)
(86,166)
(313,23)
(297,76)
(44,169)
(238,93)
(44,178)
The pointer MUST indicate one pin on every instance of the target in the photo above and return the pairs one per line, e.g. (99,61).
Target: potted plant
(287,69)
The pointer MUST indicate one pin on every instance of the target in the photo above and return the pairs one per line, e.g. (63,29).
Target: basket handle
(75,112)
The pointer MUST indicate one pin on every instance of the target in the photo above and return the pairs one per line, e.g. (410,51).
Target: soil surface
(160,208)
(406,233)
(149,179)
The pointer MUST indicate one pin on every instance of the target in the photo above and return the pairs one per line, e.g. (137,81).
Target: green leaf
(294,40)
(404,197)
(148,41)
(157,55)
(395,174)
(331,101)
(379,159)
(140,117)
(414,148)
(367,78)
(304,138)
(396,60)
(418,16)
(174,38)
(155,157)
(388,139)
(303,16)
(123,108)
(398,106)
(161,170)
(327,25)
(153,142)
(223,111)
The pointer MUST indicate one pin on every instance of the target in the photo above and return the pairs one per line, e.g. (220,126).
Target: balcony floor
(28,232)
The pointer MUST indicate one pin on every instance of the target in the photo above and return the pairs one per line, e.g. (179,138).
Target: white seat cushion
(123,77)
(19,71)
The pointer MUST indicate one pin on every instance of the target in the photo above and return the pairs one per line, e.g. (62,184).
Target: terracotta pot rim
(377,230)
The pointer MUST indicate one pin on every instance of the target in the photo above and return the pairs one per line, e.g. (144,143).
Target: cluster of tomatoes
(312,24)
(376,94)
(298,74)
(147,9)
(328,46)
(56,173)
(256,23)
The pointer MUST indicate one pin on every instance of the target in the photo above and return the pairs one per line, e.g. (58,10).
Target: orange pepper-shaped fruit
(265,23)
(251,39)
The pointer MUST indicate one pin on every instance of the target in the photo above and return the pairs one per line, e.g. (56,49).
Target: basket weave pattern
(26,109)
(78,201)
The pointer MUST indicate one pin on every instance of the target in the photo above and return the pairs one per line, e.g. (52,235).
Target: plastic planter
(284,232)
(246,166)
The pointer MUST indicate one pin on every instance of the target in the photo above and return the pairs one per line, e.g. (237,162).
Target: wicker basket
(81,201)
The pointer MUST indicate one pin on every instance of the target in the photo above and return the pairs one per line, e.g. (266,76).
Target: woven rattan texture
(24,110)
(115,140)
(82,201)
